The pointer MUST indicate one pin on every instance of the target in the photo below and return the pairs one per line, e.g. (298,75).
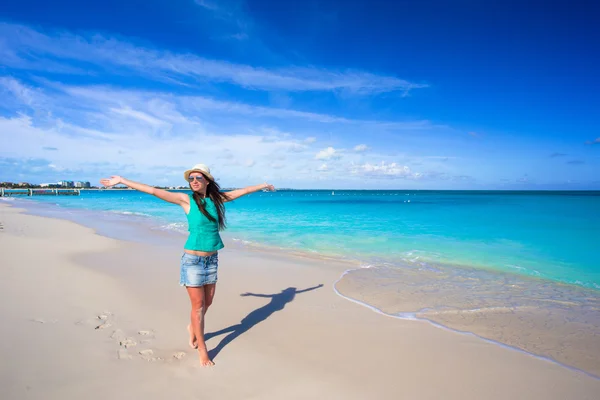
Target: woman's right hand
(114,180)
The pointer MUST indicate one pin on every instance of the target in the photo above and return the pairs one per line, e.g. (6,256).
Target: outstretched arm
(256,295)
(235,194)
(175,198)
(310,288)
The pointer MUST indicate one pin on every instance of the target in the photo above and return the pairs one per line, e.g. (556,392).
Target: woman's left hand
(269,187)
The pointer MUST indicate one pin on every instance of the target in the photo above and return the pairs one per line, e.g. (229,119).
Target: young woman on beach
(199,263)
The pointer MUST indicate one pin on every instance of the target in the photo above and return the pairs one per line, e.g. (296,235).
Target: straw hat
(198,168)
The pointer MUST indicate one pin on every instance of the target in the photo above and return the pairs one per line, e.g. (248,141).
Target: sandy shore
(556,321)
(88,316)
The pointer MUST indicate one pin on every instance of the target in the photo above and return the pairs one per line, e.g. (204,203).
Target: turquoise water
(552,235)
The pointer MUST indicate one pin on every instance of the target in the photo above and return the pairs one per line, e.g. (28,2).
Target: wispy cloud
(554,155)
(22,93)
(230,11)
(108,95)
(25,48)
(208,4)
(237,36)
(592,142)
(132,131)
(385,170)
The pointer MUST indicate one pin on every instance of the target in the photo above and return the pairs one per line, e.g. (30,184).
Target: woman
(206,217)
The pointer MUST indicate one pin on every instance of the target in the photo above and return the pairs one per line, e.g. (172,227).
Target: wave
(139,214)
(431,316)
(180,227)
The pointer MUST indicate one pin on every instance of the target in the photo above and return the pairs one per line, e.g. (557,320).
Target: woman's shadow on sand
(277,303)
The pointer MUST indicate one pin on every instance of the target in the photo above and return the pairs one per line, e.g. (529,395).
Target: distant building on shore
(66,184)
(49,185)
(82,184)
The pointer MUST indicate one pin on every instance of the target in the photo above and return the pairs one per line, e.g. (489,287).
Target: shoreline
(414,316)
(264,247)
(268,359)
(423,312)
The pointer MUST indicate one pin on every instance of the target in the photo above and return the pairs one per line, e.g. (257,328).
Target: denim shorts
(198,271)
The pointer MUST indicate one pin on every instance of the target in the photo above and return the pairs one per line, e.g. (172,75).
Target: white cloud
(101,131)
(140,116)
(123,154)
(56,168)
(360,147)
(385,170)
(310,140)
(327,154)
(297,148)
(182,109)
(14,87)
(25,48)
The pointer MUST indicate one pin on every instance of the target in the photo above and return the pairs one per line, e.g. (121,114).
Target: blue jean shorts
(198,271)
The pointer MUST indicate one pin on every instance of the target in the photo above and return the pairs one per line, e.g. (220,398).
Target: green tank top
(204,233)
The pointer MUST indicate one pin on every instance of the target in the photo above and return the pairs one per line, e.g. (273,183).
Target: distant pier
(39,192)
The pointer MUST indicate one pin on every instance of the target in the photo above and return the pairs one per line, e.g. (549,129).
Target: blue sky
(306,94)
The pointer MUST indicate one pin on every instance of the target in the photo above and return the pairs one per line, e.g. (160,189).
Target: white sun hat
(198,168)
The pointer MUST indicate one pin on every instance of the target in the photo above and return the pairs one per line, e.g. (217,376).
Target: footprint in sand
(104,318)
(118,334)
(123,354)
(148,355)
(104,315)
(100,321)
(129,342)
(179,355)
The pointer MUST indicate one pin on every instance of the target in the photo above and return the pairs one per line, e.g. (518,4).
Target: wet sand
(560,322)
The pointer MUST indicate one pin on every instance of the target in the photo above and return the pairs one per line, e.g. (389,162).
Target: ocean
(550,235)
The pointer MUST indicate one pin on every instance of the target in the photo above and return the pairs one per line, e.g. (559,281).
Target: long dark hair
(213,191)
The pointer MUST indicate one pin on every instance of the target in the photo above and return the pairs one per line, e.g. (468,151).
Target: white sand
(57,278)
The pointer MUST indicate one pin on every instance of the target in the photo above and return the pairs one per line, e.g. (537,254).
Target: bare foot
(205,360)
(193,342)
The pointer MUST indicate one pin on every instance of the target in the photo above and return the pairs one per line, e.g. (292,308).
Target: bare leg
(209,294)
(200,302)
(193,341)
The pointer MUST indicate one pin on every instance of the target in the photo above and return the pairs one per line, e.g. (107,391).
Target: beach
(87,315)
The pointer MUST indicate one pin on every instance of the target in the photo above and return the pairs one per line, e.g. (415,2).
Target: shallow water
(556,321)
(552,235)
